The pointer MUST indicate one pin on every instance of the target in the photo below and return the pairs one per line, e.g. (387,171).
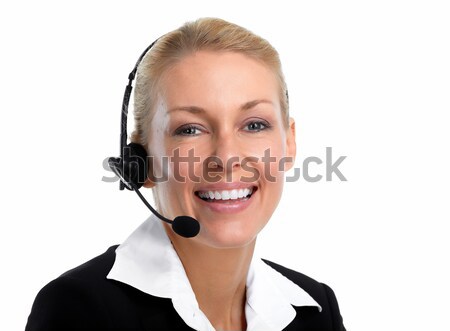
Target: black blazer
(84,299)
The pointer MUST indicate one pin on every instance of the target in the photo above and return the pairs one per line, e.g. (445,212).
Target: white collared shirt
(148,262)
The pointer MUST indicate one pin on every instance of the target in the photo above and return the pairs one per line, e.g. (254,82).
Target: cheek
(271,158)
(185,165)
(173,197)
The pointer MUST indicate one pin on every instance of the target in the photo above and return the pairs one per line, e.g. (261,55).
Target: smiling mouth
(229,196)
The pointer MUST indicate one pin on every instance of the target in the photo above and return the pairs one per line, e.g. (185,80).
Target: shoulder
(320,292)
(314,288)
(95,269)
(84,299)
(69,302)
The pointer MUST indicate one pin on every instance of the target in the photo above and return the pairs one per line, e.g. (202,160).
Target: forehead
(218,77)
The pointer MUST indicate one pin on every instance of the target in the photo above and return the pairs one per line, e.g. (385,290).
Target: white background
(369,79)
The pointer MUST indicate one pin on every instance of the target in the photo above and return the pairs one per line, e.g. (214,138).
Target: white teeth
(234,194)
(226,194)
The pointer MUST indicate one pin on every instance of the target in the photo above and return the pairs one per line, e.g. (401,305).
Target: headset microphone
(132,167)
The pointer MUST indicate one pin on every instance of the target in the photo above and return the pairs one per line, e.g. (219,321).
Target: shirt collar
(148,262)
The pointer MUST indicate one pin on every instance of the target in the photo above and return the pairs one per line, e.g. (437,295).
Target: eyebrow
(197,110)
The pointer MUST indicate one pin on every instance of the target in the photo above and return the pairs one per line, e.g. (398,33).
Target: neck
(218,278)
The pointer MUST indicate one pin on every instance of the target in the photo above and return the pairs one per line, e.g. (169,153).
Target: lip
(227,206)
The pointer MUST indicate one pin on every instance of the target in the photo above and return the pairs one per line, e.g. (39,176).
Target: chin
(227,238)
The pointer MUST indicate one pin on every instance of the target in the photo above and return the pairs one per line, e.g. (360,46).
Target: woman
(211,98)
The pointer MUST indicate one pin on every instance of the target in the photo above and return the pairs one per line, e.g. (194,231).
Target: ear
(148,183)
(291,146)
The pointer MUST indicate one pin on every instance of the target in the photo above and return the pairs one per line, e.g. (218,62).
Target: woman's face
(218,120)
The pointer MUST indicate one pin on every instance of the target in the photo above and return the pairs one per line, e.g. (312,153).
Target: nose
(226,153)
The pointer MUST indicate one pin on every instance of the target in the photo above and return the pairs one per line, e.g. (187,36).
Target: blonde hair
(210,34)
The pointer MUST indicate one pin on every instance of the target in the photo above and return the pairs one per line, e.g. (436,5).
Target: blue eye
(256,126)
(187,130)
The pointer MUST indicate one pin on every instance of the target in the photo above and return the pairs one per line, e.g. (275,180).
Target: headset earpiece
(132,167)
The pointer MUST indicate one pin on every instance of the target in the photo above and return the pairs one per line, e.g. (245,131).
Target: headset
(132,166)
